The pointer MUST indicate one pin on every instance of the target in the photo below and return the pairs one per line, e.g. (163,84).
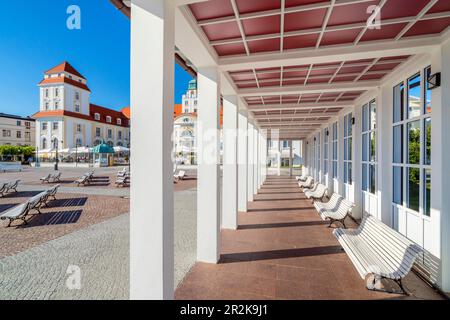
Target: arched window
(97,142)
(110,143)
(44,143)
(120,144)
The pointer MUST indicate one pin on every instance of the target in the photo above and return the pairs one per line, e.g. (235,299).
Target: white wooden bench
(375,249)
(301,178)
(10,167)
(306,184)
(318,193)
(336,210)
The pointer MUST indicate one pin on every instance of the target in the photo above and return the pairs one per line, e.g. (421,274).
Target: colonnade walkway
(283,250)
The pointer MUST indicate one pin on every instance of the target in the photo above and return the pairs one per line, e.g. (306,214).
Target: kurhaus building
(67,118)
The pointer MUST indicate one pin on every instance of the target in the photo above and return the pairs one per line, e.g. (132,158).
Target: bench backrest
(320,190)
(308,181)
(397,251)
(332,203)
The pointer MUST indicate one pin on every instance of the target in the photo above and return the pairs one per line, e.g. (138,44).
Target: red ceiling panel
(373,76)
(297,82)
(211,9)
(220,31)
(384,67)
(353,13)
(394,58)
(298,42)
(339,37)
(385,32)
(345,70)
(271,75)
(263,25)
(318,80)
(247,85)
(230,49)
(304,20)
(294,74)
(344,78)
(402,8)
(294,3)
(428,27)
(246,6)
(266,45)
(319,72)
(440,6)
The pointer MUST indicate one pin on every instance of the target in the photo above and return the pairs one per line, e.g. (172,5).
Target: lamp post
(76,153)
(56,145)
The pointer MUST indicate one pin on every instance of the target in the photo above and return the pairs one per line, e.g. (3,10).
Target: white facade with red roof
(67,115)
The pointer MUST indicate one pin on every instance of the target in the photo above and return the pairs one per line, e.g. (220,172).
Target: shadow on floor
(53,218)
(71,202)
(22,194)
(278,209)
(4,207)
(282,225)
(279,254)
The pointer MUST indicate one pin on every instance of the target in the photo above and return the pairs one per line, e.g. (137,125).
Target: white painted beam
(316,88)
(250,170)
(416,45)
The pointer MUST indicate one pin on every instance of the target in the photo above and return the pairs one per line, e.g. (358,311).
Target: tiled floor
(283,250)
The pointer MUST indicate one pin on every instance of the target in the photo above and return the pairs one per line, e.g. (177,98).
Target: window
(19,123)
(97,116)
(109,133)
(55,125)
(348,128)
(46,93)
(79,142)
(77,96)
(412,144)
(47,106)
(44,143)
(56,92)
(369,147)
(77,108)
(335,149)
(6,133)
(119,134)
(108,119)
(110,143)
(56,105)
(44,126)
(78,127)
(119,121)
(97,132)
(19,134)
(27,125)
(27,136)
(325,151)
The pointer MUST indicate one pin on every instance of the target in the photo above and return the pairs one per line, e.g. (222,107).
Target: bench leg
(376,278)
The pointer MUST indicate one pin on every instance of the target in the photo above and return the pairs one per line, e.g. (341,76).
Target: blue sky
(34,38)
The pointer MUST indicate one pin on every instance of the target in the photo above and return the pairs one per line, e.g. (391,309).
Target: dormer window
(77,96)
(97,116)
(108,119)
(119,121)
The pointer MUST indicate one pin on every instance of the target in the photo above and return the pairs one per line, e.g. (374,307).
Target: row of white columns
(244,157)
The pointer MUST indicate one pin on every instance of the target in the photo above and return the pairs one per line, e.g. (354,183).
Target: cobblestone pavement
(101,251)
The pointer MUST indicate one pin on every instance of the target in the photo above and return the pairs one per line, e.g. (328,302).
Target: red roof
(104,112)
(65,67)
(126,112)
(65,80)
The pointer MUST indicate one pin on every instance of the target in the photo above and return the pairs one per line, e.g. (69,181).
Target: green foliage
(17,151)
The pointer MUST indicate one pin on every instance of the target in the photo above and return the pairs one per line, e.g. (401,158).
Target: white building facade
(16,130)
(67,119)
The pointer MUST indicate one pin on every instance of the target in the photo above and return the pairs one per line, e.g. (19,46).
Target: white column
(152,82)
(279,157)
(250,171)
(230,170)
(440,159)
(208,169)
(242,162)
(290,158)
(255,159)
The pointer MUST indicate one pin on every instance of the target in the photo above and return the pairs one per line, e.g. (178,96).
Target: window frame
(405,166)
(348,149)
(366,133)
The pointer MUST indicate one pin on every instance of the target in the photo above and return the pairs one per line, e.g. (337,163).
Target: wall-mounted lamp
(315,138)
(353,121)
(328,132)
(434,81)
(307,142)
